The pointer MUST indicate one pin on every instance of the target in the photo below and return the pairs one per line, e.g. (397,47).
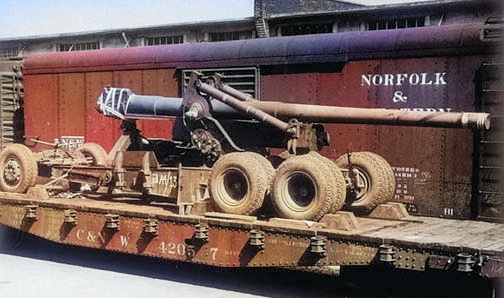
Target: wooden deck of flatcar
(157,230)
(435,232)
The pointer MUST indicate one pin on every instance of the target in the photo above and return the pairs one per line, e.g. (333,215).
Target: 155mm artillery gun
(219,154)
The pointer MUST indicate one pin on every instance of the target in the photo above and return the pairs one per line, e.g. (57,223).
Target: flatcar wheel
(374,181)
(94,153)
(303,188)
(18,169)
(239,182)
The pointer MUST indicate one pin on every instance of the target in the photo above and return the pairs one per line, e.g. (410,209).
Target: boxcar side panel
(159,82)
(99,129)
(71,103)
(433,166)
(41,107)
(131,79)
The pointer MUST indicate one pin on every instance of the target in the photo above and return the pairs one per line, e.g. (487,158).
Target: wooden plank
(453,233)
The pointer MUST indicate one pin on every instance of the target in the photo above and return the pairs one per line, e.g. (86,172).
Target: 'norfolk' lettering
(399,79)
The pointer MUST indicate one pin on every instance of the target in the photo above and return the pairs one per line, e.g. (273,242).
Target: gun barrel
(124,104)
(334,114)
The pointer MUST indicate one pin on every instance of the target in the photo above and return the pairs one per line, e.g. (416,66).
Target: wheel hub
(361,186)
(301,189)
(235,185)
(12,172)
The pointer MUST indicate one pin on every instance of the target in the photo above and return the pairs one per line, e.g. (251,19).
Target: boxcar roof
(446,40)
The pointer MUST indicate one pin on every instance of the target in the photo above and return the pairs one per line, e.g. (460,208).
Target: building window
(305,29)
(156,41)
(398,23)
(233,35)
(9,52)
(82,46)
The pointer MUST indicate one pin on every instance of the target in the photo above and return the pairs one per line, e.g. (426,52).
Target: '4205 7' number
(181,249)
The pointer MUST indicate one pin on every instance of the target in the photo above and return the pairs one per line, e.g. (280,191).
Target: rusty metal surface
(419,244)
(494,267)
(64,104)
(433,179)
(71,103)
(334,114)
(159,82)
(42,89)
(98,129)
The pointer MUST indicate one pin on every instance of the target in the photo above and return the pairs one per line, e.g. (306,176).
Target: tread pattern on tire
(310,164)
(339,183)
(381,175)
(259,173)
(388,173)
(94,151)
(27,162)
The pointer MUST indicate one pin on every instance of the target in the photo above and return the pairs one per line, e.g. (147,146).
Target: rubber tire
(249,167)
(24,159)
(93,152)
(380,176)
(339,183)
(312,168)
(388,173)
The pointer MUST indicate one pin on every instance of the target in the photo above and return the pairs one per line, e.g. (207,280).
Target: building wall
(290,17)
(273,7)
(190,33)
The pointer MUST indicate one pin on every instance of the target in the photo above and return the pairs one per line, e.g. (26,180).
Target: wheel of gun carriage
(94,153)
(375,181)
(239,182)
(18,168)
(339,183)
(304,188)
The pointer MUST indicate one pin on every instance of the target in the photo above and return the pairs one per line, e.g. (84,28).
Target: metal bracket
(387,253)
(112,221)
(493,267)
(147,185)
(440,262)
(151,226)
(70,217)
(201,232)
(318,245)
(465,262)
(411,259)
(31,212)
(119,171)
(256,238)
